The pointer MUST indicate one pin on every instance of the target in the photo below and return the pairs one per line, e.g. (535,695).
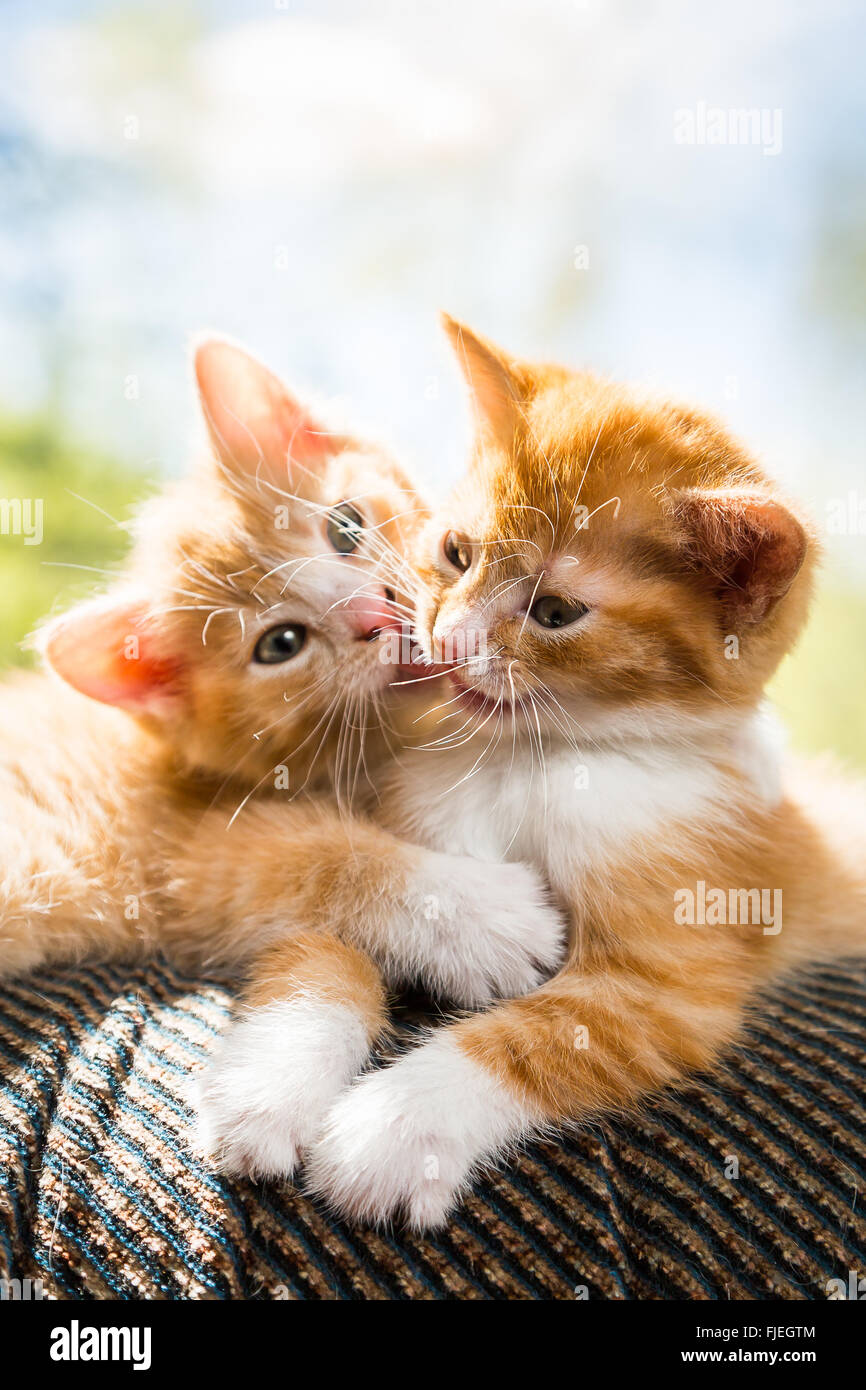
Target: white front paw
(502,936)
(408,1139)
(262,1099)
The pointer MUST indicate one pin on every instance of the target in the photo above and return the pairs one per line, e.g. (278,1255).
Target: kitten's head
(609,564)
(249,627)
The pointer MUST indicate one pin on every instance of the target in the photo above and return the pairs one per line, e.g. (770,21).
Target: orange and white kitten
(176,791)
(621,580)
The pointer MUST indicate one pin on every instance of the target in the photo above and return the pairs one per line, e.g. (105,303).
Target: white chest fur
(578,810)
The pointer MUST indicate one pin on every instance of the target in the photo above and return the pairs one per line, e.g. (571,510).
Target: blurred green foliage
(36,461)
(819,689)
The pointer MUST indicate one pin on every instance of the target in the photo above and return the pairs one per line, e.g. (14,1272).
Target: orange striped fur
(698,547)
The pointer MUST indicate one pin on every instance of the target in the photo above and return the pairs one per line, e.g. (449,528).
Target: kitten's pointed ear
(256,426)
(497,385)
(748,545)
(109,649)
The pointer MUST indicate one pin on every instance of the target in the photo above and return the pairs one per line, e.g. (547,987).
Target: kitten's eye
(456,551)
(551,611)
(345,528)
(280,643)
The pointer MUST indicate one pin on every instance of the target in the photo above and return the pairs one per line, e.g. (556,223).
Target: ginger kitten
(187,786)
(618,580)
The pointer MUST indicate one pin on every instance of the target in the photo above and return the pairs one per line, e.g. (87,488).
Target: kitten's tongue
(429,671)
(417,671)
(412,670)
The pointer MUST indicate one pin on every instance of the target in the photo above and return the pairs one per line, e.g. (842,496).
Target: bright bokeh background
(318,179)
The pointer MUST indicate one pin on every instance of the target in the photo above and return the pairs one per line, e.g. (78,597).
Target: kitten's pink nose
(371,613)
(462,639)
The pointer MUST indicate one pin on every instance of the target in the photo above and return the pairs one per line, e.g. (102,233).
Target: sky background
(318,180)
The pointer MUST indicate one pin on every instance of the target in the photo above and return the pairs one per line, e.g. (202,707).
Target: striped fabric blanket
(746,1187)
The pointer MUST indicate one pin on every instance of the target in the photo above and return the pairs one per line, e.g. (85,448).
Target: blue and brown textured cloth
(749,1186)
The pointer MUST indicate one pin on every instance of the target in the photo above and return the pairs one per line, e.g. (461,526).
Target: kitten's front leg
(463,928)
(308,1019)
(409,1139)
(320,895)
(315,1003)
(406,1140)
(460,927)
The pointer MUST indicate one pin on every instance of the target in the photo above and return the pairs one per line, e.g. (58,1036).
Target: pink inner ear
(106,651)
(496,391)
(752,544)
(781,545)
(255,424)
